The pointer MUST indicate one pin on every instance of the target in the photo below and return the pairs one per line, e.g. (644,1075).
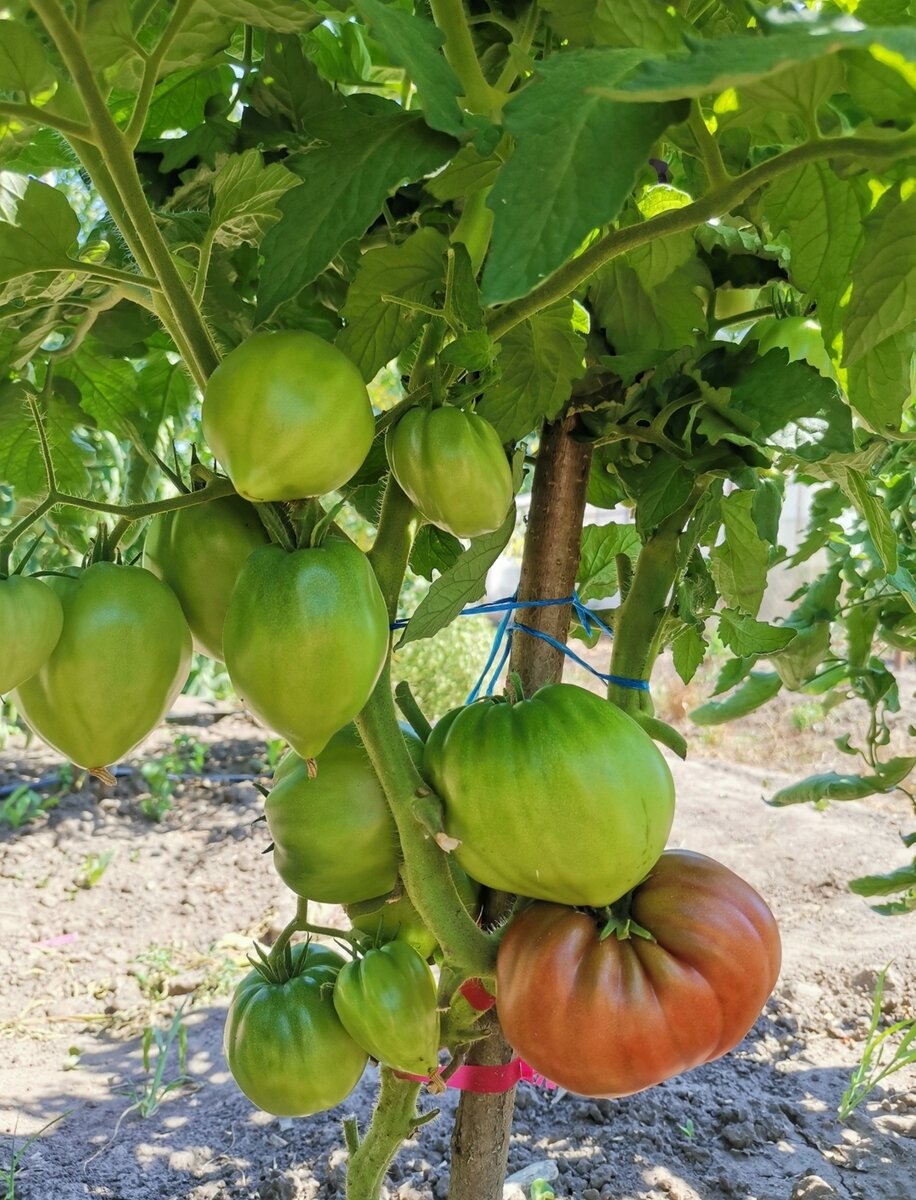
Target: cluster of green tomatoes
(621,964)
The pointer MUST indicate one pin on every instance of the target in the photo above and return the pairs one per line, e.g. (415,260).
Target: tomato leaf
(245,196)
(416,44)
(378,329)
(538,362)
(745,636)
(434,550)
(361,154)
(601,545)
(727,62)
(739,562)
(638,317)
(883,298)
(463,583)
(759,688)
(24,66)
(21,465)
(581,188)
(688,650)
(881,381)
(830,786)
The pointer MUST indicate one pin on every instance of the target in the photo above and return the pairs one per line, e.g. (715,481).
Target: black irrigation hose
(55,781)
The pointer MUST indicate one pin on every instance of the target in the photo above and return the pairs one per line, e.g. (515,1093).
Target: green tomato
(31,619)
(800,336)
(288,416)
(285,1045)
(560,797)
(199,552)
(386,1001)
(122,658)
(305,639)
(334,838)
(453,467)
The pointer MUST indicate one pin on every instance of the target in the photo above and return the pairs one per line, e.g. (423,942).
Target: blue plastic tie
(502,642)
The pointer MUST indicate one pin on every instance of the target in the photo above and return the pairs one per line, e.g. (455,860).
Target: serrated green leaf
(21,465)
(601,545)
(415,44)
(637,317)
(651,24)
(745,636)
(886,884)
(877,518)
(538,362)
(463,583)
(659,488)
(360,158)
(800,91)
(821,214)
(882,381)
(43,235)
(468,172)
(883,298)
(793,407)
(289,84)
(245,196)
(758,689)
(831,786)
(279,16)
(739,562)
(766,509)
(25,69)
(580,154)
(881,90)
(179,101)
(377,330)
(688,650)
(434,551)
(730,62)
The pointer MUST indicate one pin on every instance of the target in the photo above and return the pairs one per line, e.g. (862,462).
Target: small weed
(23,806)
(273,752)
(874,1066)
(187,757)
(9,1172)
(688,1129)
(72,1061)
(147,1096)
(93,868)
(806,716)
(154,968)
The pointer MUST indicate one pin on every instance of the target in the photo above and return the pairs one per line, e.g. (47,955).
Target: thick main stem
(392,1123)
(480,1139)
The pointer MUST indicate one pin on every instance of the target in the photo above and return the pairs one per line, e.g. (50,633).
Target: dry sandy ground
(169,920)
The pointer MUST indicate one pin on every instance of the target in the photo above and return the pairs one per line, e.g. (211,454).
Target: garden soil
(111,924)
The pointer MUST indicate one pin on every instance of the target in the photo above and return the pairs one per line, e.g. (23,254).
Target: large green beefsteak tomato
(31,619)
(121,659)
(334,838)
(387,1002)
(288,416)
(305,639)
(561,797)
(453,467)
(199,552)
(285,1045)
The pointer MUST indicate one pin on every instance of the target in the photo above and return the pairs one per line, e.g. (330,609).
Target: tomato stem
(392,1122)
(413,714)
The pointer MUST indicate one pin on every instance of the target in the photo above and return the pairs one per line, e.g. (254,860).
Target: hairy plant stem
(639,627)
(480,1138)
(715,203)
(393,1120)
(175,307)
(459,50)
(710,154)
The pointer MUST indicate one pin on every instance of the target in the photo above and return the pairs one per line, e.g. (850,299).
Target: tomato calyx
(616,919)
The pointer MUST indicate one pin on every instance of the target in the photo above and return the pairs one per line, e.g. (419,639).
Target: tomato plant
(347,263)
(611,1003)
(284,1042)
